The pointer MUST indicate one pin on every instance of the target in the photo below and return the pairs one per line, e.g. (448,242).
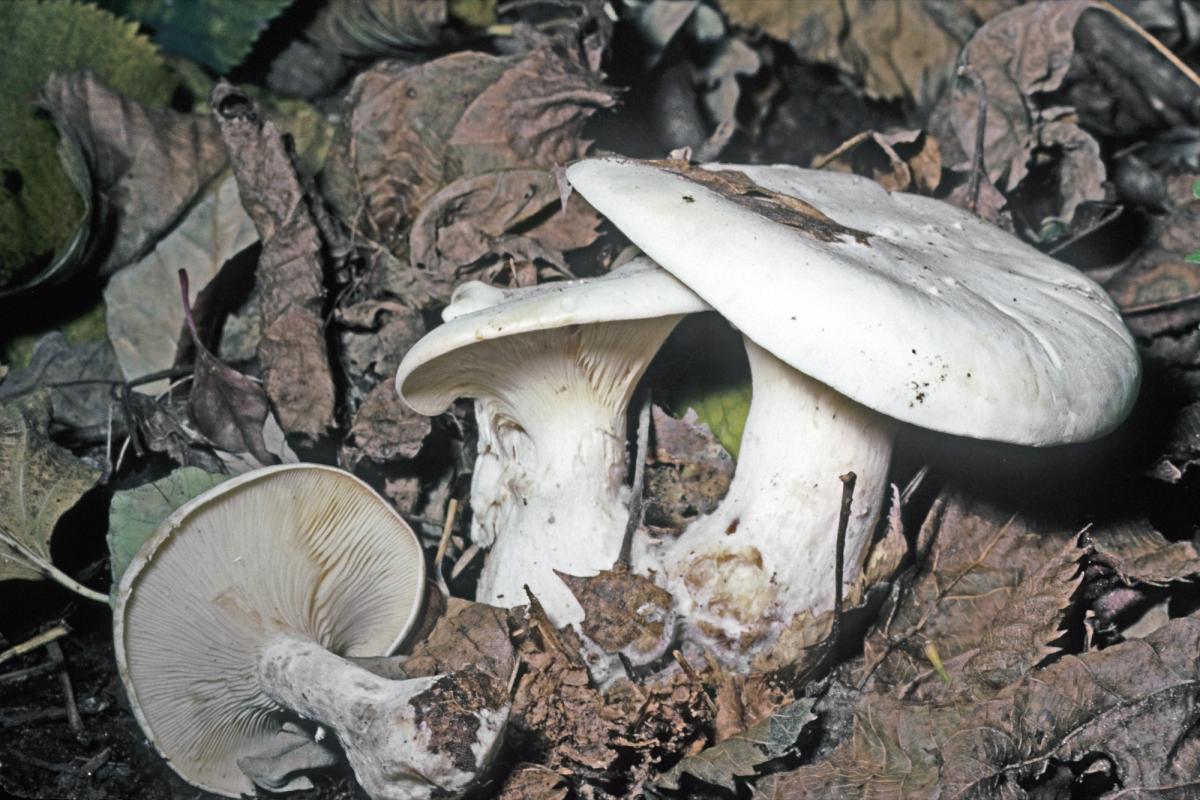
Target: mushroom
(858,307)
(233,617)
(551,369)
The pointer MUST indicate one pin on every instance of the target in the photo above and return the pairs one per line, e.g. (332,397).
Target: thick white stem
(548,491)
(767,553)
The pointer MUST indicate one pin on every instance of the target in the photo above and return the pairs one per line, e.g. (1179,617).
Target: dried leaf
(899,160)
(467,635)
(1140,553)
(40,206)
(228,408)
(898,50)
(741,755)
(282,767)
(385,429)
(135,513)
(39,482)
(145,319)
(532,782)
(147,165)
(743,701)
(624,613)
(1133,704)
(292,350)
(211,32)
(689,473)
(79,377)
(372,28)
(1158,287)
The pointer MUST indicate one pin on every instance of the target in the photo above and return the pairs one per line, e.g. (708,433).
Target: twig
(447,527)
(636,505)
(464,560)
(1161,305)
(64,679)
(977,165)
(694,677)
(16,676)
(43,638)
(51,571)
(848,480)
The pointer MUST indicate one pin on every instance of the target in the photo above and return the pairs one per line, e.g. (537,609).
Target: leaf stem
(50,571)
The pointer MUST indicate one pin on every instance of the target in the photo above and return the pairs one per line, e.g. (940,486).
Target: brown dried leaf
(899,160)
(467,635)
(147,164)
(689,474)
(898,49)
(531,782)
(80,378)
(384,429)
(39,482)
(292,350)
(781,208)
(1134,704)
(624,613)
(228,408)
(743,701)
(1140,553)
(979,563)
(1157,287)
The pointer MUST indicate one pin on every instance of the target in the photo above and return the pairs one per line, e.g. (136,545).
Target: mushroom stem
(549,485)
(767,553)
(398,749)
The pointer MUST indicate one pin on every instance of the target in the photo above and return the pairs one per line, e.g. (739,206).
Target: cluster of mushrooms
(860,309)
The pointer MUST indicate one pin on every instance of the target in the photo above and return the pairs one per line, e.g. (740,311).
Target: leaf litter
(996,646)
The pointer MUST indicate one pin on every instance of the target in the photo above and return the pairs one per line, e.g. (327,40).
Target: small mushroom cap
(478,312)
(301,549)
(908,305)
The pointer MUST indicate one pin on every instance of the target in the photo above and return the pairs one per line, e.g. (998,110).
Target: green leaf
(39,482)
(136,513)
(1196,190)
(217,33)
(740,755)
(40,203)
(1193,257)
(723,410)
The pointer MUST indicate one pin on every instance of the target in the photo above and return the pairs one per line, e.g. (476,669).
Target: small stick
(43,638)
(694,677)
(64,678)
(977,165)
(464,561)
(636,507)
(447,527)
(848,480)
(24,674)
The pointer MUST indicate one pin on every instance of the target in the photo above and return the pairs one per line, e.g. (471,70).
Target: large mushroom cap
(908,305)
(302,550)
(427,378)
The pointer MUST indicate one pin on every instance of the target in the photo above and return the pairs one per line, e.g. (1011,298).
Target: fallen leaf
(39,482)
(146,164)
(532,782)
(384,429)
(467,635)
(228,408)
(373,28)
(39,205)
(134,514)
(743,701)
(211,32)
(1158,289)
(283,766)
(1140,553)
(689,471)
(897,50)
(1132,705)
(80,379)
(739,756)
(145,319)
(625,613)
(899,160)
(294,357)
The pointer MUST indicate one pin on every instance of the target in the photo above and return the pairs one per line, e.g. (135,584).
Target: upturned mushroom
(859,307)
(551,369)
(233,619)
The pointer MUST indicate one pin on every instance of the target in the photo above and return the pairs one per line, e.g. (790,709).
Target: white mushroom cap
(479,312)
(299,550)
(920,311)
(551,369)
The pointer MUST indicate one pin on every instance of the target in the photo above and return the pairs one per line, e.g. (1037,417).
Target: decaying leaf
(1140,553)
(899,160)
(1014,57)
(145,319)
(467,635)
(532,782)
(39,482)
(146,164)
(228,408)
(135,513)
(292,350)
(373,28)
(80,379)
(689,473)
(39,205)
(624,613)
(897,49)
(740,755)
(1132,706)
(284,766)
